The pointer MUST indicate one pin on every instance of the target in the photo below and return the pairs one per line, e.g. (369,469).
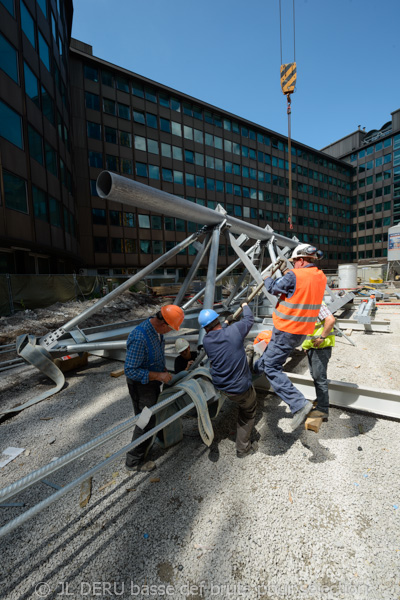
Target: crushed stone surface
(309,516)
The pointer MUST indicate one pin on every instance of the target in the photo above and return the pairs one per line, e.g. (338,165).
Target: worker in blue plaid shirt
(145,373)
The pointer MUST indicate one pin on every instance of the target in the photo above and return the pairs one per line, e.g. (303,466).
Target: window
(387,158)
(126,166)
(198,136)
(151,120)
(187,132)
(154,172)
(156,222)
(166,150)
(112,162)
(92,101)
(117,245)
(152,146)
(165,125)
(47,105)
(169,224)
(124,111)
(157,247)
(163,99)
(9,59)
(176,128)
(122,84)
(137,89)
(129,219)
(178,177)
(27,24)
(90,73)
(93,130)
(141,169)
(110,135)
(95,159)
(15,192)
(44,51)
(9,4)
(10,125)
(145,246)
(31,85)
(55,212)
(177,153)
(150,95)
(167,175)
(189,156)
(109,106)
(107,78)
(138,117)
(51,159)
(35,144)
(125,139)
(130,246)
(140,143)
(99,216)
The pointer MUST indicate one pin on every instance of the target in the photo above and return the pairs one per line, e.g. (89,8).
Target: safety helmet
(207,316)
(305,251)
(173,315)
(181,345)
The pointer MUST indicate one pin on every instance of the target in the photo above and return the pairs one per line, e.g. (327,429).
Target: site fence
(22,292)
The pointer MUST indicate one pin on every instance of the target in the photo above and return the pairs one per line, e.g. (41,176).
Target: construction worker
(186,357)
(146,372)
(318,347)
(301,291)
(230,371)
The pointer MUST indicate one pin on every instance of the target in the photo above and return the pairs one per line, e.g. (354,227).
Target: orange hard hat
(173,315)
(263,336)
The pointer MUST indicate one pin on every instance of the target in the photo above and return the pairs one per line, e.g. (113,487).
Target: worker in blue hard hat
(230,371)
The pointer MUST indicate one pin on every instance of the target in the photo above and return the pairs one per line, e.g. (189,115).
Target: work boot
(142,467)
(301,415)
(252,449)
(315,413)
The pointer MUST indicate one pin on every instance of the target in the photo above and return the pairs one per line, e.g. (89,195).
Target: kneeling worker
(145,373)
(186,357)
(230,371)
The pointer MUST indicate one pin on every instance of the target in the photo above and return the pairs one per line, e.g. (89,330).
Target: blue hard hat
(207,316)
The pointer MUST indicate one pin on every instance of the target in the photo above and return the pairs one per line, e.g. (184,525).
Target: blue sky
(227,53)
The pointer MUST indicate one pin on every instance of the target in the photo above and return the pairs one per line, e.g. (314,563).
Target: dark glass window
(122,84)
(92,101)
(39,204)
(130,246)
(169,223)
(10,125)
(125,139)
(44,51)
(189,156)
(175,105)
(90,73)
(156,222)
(51,159)
(154,172)
(93,130)
(117,245)
(95,159)
(9,4)
(145,246)
(47,105)
(129,219)
(8,59)
(138,117)
(137,89)
(126,166)
(35,144)
(141,169)
(152,146)
(31,85)
(27,24)
(112,162)
(165,125)
(116,218)
(163,99)
(15,192)
(150,95)
(93,189)
(100,244)
(124,112)
(55,212)
(109,106)
(151,120)
(110,135)
(107,78)
(167,175)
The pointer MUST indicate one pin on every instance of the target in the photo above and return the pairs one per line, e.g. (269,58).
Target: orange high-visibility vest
(263,336)
(299,313)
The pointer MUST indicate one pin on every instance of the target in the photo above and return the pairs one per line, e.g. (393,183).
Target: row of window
(46,208)
(369,210)
(377,253)
(372,224)
(376,148)
(378,177)
(381,160)
(187,108)
(370,239)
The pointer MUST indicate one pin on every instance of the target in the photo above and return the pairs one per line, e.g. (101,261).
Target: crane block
(288,77)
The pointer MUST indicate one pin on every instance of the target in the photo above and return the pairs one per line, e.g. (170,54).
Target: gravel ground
(310,516)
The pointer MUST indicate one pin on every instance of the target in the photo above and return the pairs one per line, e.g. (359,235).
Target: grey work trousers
(142,394)
(318,359)
(247,404)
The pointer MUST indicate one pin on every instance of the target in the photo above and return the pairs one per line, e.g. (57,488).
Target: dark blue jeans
(142,394)
(318,363)
(280,347)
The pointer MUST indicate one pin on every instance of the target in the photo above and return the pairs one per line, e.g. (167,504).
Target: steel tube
(127,284)
(64,490)
(35,476)
(209,292)
(121,189)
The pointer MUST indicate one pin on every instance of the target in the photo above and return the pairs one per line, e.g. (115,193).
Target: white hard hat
(181,345)
(304,251)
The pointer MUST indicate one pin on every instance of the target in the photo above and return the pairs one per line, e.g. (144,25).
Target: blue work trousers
(271,362)
(318,363)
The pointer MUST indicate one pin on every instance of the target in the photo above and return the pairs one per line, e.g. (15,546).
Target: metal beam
(347,395)
(121,189)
